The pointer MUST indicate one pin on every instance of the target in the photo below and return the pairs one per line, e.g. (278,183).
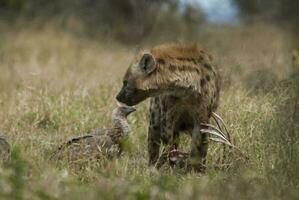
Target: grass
(54,85)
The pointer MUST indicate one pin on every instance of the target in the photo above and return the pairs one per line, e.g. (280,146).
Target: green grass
(54,85)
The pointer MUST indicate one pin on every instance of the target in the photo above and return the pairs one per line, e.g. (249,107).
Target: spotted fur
(183,84)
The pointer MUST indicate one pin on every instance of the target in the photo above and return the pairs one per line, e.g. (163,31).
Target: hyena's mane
(180,66)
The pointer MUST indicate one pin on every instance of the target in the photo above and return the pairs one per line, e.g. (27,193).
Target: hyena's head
(139,81)
(166,69)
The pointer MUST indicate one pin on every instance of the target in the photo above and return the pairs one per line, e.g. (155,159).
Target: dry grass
(54,85)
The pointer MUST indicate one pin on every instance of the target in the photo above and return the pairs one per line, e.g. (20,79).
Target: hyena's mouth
(131,97)
(120,104)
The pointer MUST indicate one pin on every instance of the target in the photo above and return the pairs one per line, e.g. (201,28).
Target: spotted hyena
(183,85)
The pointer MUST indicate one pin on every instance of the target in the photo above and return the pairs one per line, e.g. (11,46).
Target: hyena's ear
(147,63)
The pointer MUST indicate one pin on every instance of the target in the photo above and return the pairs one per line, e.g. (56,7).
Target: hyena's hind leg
(199,149)
(154,138)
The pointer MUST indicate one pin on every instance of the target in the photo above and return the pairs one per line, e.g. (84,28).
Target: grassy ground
(54,85)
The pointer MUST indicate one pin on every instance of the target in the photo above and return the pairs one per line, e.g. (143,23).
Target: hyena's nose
(120,97)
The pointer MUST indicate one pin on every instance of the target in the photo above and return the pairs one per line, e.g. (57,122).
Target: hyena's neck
(176,90)
(179,84)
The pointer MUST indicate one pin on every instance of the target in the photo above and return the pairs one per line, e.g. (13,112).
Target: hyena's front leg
(168,134)
(199,149)
(154,138)
(153,144)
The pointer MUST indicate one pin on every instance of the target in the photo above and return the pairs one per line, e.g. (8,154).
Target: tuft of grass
(261,81)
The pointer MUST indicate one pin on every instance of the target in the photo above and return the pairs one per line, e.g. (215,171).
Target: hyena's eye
(125,82)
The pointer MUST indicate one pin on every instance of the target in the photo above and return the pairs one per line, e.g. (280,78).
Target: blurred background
(132,21)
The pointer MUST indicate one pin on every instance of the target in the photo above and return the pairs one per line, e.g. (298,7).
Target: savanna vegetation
(59,78)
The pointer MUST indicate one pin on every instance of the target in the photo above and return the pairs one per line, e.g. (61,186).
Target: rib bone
(221,141)
(217,117)
(215,128)
(216,133)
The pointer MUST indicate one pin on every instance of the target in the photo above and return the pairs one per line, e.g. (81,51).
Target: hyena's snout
(131,96)
(124,96)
